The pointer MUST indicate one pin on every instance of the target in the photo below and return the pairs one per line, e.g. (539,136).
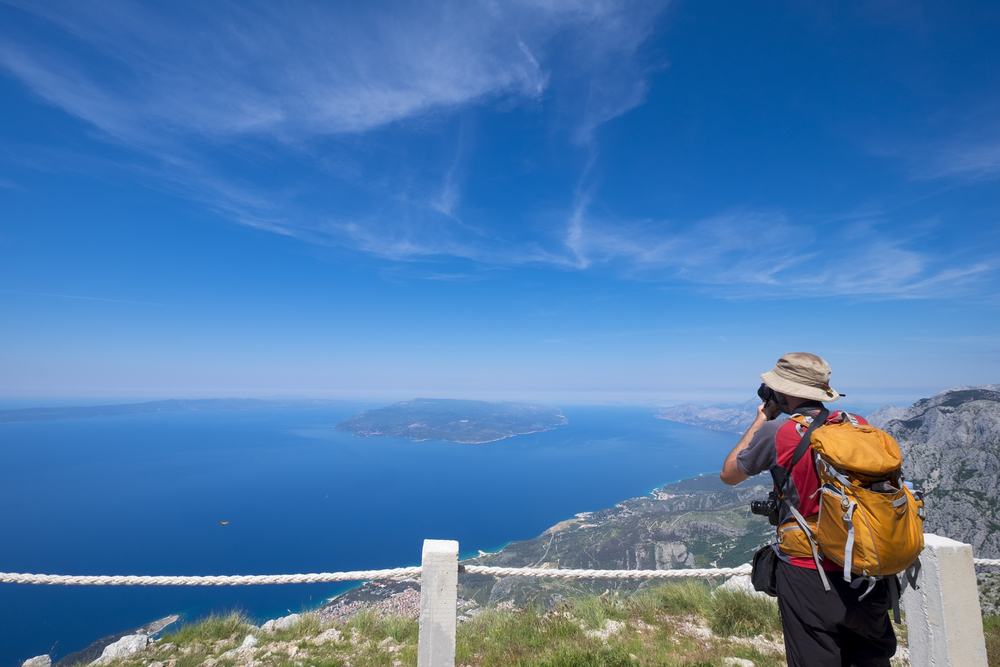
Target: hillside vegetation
(663,625)
(698,522)
(668,624)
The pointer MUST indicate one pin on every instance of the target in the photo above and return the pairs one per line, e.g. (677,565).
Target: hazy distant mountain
(734,419)
(884,415)
(45,414)
(470,422)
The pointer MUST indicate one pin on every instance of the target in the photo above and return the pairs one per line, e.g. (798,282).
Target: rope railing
(942,620)
(707,573)
(368,575)
(361,575)
(235,580)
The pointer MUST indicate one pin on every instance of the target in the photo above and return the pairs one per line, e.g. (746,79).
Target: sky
(530,199)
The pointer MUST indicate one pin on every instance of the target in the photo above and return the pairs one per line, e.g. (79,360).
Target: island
(454,420)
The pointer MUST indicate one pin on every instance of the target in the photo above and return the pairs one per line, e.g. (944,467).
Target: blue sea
(145,494)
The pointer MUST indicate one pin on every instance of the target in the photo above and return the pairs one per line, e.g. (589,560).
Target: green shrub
(683,597)
(401,629)
(211,628)
(737,613)
(308,625)
(366,622)
(594,610)
(574,657)
(558,626)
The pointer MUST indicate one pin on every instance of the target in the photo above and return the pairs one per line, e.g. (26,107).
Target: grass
(658,626)
(667,625)
(735,614)
(214,628)
(682,598)
(581,658)
(991,628)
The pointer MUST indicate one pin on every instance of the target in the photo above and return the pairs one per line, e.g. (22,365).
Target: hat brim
(780,384)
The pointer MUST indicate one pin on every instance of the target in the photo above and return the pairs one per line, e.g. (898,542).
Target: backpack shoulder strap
(785,474)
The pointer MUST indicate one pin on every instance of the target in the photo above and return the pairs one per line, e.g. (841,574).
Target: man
(822,628)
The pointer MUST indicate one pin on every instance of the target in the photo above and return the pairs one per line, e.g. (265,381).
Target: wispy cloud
(83,298)
(977,160)
(228,69)
(200,86)
(969,154)
(764,253)
(196,86)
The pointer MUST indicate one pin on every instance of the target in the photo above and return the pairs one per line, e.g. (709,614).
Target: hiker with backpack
(846,522)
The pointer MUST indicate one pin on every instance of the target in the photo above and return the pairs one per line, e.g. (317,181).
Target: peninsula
(469,422)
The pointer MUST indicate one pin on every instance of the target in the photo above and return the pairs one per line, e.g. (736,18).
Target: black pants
(833,628)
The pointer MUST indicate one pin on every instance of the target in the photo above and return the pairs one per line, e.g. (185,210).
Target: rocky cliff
(951,448)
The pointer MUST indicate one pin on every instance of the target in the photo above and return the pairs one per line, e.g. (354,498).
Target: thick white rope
(364,575)
(237,580)
(367,575)
(607,574)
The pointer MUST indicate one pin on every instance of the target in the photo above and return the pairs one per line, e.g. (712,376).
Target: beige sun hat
(801,374)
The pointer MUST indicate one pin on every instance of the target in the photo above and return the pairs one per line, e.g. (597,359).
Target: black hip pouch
(763,578)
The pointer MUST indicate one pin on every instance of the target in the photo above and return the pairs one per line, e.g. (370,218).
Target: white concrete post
(944,623)
(438,604)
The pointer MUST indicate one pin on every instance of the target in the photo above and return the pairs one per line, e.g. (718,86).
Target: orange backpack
(869,521)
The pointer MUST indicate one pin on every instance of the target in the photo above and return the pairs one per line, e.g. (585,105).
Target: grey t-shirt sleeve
(762,453)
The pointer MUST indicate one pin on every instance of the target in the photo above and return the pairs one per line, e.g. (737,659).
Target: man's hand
(770,411)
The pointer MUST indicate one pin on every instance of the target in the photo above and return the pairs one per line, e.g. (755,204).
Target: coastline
(602,455)
(361,434)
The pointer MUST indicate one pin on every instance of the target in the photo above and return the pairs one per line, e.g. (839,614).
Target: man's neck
(795,404)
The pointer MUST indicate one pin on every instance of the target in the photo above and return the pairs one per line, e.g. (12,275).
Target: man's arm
(731,473)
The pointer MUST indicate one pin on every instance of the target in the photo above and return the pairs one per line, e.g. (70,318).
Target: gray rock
(124,647)
(277,624)
(741,584)
(246,648)
(672,555)
(331,635)
(38,661)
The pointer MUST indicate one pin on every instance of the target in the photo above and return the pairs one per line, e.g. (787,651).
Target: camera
(768,508)
(766,394)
